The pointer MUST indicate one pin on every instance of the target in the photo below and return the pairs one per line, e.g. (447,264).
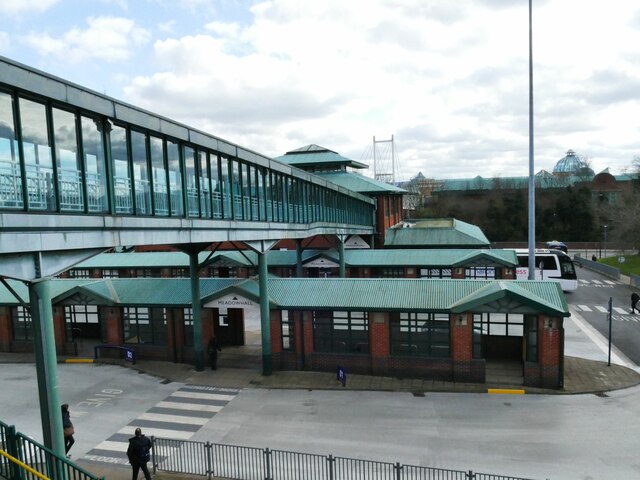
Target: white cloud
(4,41)
(110,39)
(450,83)
(9,7)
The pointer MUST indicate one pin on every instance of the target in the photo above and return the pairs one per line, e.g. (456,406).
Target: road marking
(505,391)
(157,432)
(602,309)
(620,310)
(204,396)
(162,417)
(597,282)
(190,406)
(584,308)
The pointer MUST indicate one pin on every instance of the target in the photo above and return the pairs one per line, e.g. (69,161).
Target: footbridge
(81,173)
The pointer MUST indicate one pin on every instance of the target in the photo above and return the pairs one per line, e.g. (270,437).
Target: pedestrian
(212,349)
(634,302)
(594,258)
(139,453)
(68,429)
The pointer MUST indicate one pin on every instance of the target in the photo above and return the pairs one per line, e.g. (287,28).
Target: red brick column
(461,345)
(457,272)
(275,320)
(379,341)
(549,347)
(6,329)
(112,317)
(307,338)
(58,327)
(208,320)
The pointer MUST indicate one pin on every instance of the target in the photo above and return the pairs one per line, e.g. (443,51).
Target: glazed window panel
(95,164)
(21,323)
(225,188)
(10,176)
(122,185)
(205,184)
(188,326)
(70,185)
(38,159)
(159,177)
(503,324)
(191,178)
(141,176)
(480,272)
(236,188)
(143,325)
(81,320)
(418,334)
(287,330)
(341,332)
(216,194)
(175,179)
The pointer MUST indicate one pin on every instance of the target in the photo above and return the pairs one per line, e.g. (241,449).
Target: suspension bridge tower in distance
(384,160)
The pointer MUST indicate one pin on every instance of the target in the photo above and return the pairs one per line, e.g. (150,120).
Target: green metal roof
(359,183)
(369,294)
(443,233)
(433,295)
(315,155)
(432,258)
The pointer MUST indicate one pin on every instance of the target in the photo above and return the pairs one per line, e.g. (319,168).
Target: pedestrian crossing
(604,309)
(179,416)
(598,283)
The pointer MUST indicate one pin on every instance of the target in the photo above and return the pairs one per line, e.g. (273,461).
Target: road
(590,301)
(563,437)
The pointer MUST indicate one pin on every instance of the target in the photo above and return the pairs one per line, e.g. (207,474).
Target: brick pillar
(58,328)
(549,351)
(112,318)
(379,338)
(461,345)
(95,273)
(298,346)
(208,320)
(411,272)
(458,272)
(275,320)
(6,329)
(307,338)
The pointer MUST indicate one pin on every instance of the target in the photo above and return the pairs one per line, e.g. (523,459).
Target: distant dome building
(571,164)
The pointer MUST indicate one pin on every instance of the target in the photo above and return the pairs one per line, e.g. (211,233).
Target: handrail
(23,465)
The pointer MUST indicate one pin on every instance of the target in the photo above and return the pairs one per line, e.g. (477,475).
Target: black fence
(213,460)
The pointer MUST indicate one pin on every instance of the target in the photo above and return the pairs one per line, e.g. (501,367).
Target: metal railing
(251,463)
(26,459)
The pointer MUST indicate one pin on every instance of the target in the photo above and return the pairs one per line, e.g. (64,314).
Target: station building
(443,329)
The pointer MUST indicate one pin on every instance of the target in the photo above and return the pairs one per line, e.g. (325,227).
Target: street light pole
(605,241)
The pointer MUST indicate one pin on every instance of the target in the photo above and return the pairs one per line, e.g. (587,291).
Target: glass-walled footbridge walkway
(81,170)
(81,173)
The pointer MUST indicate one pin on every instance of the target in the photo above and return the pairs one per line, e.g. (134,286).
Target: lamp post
(605,241)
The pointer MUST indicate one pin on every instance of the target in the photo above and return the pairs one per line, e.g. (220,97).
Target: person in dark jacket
(212,349)
(68,429)
(634,302)
(139,453)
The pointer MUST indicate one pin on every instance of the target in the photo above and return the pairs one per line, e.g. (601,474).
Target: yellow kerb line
(505,391)
(79,360)
(24,465)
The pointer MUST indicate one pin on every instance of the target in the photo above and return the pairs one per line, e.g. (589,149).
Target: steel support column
(196,309)
(265,320)
(46,365)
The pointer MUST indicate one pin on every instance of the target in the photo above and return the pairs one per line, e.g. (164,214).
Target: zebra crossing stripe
(162,417)
(610,282)
(602,309)
(620,310)
(585,308)
(179,416)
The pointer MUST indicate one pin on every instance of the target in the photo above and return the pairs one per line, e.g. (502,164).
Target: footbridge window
(420,334)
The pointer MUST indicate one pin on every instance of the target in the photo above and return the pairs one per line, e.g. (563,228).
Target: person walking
(634,302)
(212,349)
(68,429)
(139,453)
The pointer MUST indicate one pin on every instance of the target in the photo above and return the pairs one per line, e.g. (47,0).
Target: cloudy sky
(448,79)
